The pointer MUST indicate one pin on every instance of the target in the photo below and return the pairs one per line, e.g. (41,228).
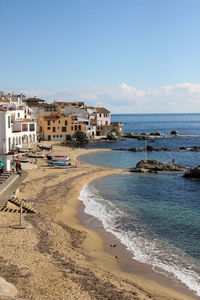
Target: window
(40,128)
(66,122)
(59,121)
(72,128)
(53,135)
(61,135)
(64,129)
(48,122)
(24,127)
(53,121)
(31,127)
(106,122)
(99,115)
(8,121)
(48,128)
(49,109)
(57,135)
(18,115)
(54,129)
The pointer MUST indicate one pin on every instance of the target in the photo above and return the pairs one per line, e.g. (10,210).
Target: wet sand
(59,257)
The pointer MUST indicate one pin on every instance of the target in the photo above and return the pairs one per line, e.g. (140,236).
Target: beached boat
(59,163)
(36,155)
(44,147)
(23,160)
(24,150)
(63,165)
(53,162)
(58,157)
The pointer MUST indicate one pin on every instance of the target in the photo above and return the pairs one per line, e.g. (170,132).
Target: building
(57,127)
(102,116)
(15,132)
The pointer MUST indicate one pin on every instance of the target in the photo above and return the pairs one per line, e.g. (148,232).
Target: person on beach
(17,166)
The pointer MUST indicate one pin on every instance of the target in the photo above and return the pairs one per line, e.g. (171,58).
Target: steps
(16,202)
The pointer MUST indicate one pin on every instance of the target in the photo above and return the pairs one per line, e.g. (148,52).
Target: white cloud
(123,98)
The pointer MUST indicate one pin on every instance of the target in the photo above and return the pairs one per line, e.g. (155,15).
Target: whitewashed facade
(15,132)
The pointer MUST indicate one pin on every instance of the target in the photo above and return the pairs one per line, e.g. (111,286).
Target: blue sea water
(156,216)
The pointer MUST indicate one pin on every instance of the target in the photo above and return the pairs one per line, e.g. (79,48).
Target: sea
(156,216)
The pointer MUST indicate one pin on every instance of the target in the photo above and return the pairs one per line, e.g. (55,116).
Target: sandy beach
(59,257)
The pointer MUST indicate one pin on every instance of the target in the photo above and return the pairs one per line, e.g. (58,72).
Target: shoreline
(60,258)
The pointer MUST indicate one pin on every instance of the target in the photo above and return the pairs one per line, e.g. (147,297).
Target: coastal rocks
(174,132)
(81,137)
(113,136)
(193,173)
(144,135)
(129,149)
(195,148)
(153,165)
(151,148)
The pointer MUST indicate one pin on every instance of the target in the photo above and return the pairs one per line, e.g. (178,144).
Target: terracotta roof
(102,110)
(61,103)
(26,120)
(54,117)
(87,106)
(47,105)
(33,100)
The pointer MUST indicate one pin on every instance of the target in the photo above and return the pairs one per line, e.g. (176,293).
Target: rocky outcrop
(174,132)
(80,137)
(151,148)
(157,133)
(143,136)
(148,148)
(195,148)
(113,136)
(193,173)
(153,165)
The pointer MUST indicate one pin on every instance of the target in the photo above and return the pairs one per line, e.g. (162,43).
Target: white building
(5,131)
(103,116)
(15,132)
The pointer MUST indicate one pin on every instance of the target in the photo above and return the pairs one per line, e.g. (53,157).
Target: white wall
(5,132)
(102,119)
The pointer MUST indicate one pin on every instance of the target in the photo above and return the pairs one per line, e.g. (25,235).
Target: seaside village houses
(24,121)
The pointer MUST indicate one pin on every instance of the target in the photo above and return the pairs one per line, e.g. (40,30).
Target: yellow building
(56,127)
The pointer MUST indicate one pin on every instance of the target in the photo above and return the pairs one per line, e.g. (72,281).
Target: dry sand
(59,258)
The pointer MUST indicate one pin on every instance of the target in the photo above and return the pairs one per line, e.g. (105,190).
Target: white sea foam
(158,253)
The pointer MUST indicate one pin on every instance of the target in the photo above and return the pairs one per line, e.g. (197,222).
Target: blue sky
(131,56)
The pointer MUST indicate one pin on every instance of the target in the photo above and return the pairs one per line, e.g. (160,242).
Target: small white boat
(24,150)
(58,157)
(36,155)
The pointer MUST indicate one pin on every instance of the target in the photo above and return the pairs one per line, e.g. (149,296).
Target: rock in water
(193,173)
(112,135)
(155,165)
(174,132)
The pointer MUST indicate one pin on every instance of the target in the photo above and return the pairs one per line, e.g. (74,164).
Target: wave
(145,248)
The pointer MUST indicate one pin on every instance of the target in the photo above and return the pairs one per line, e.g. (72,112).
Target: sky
(130,56)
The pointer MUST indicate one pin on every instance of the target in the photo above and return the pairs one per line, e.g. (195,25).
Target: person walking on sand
(17,166)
